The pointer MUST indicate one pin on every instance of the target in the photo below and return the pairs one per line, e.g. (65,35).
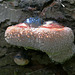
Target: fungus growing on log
(52,38)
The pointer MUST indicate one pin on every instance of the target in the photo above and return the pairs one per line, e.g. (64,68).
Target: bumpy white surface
(56,42)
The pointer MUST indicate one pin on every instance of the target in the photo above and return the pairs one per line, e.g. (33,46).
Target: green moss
(26,48)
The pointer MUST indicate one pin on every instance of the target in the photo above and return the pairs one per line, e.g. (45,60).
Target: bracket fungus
(51,38)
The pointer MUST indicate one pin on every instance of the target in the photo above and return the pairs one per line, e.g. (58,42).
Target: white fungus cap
(56,42)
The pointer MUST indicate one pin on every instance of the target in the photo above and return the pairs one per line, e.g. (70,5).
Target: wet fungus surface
(49,37)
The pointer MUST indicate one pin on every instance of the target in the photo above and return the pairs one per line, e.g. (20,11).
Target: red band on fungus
(22,25)
(52,26)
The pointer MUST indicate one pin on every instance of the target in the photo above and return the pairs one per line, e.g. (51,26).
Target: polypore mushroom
(51,38)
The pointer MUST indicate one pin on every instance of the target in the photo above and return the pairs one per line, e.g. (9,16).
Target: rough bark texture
(15,11)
